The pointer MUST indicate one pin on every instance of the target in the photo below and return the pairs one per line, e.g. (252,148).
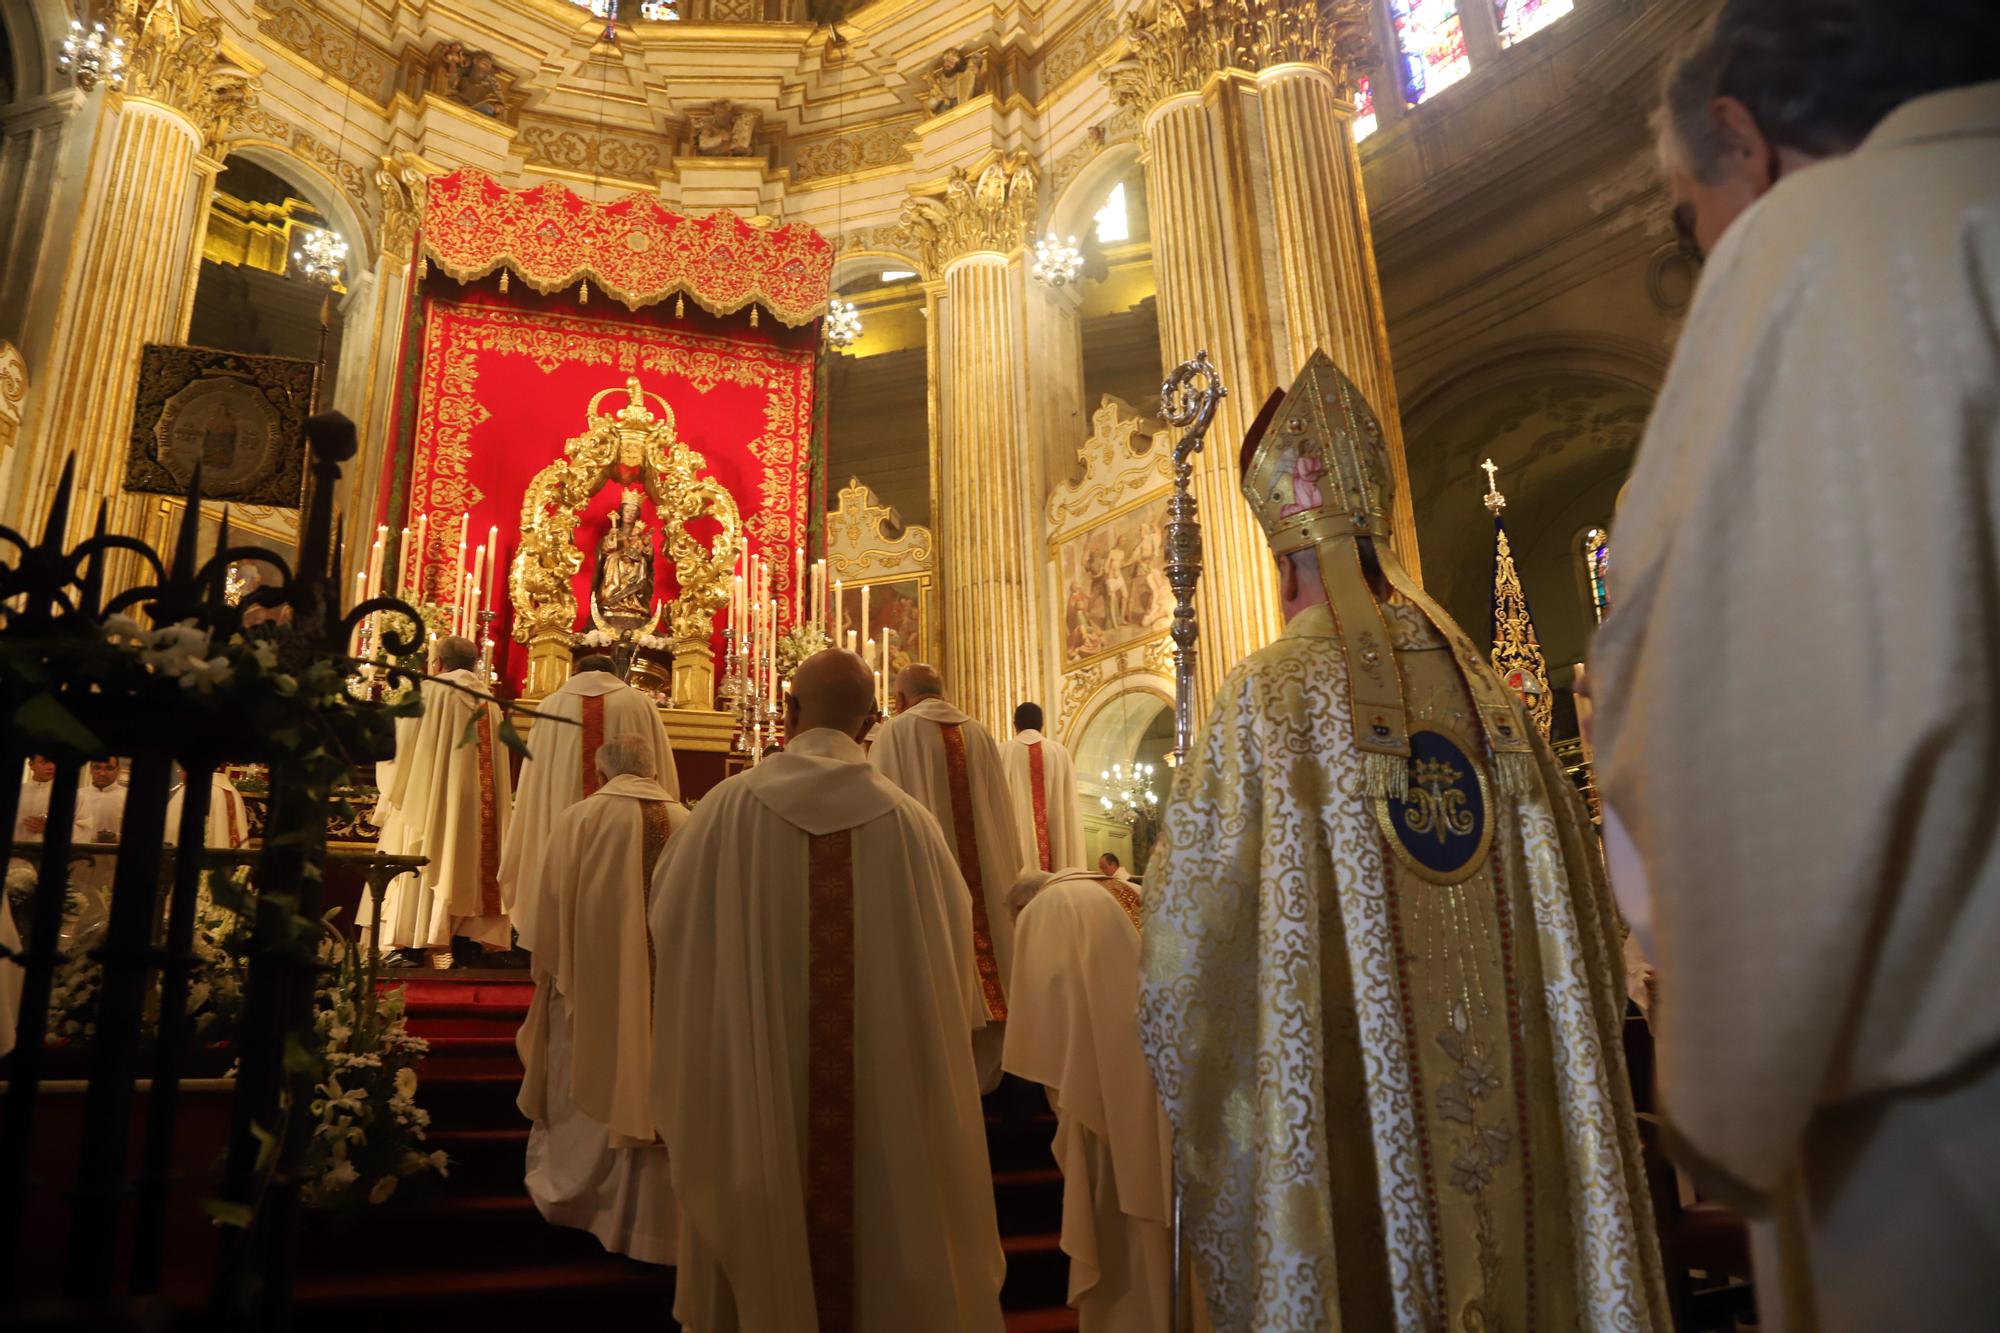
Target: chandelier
(1128,792)
(1057,262)
(843,322)
(90,56)
(321,256)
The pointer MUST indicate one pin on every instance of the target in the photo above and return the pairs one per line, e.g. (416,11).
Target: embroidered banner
(504,381)
(632,248)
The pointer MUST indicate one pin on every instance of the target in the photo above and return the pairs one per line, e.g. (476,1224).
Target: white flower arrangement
(596,638)
(655,642)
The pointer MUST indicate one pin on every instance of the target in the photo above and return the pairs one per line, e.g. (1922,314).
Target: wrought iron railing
(142,673)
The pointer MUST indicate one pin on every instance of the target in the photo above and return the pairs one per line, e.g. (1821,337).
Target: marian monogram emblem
(1443,828)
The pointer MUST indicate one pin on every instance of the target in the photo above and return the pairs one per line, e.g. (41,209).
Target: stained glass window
(604,9)
(653,11)
(1433,44)
(1364,110)
(1112,222)
(1594,549)
(1524,18)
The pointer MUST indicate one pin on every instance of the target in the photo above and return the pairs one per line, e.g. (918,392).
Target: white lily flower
(205,676)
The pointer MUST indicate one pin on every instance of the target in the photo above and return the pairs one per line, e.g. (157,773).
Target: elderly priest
(951,765)
(811,1073)
(1042,781)
(451,795)
(594,1159)
(1381,993)
(592,706)
(1074,1028)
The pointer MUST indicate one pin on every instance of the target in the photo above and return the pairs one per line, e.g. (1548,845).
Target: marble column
(130,266)
(1262,253)
(971,238)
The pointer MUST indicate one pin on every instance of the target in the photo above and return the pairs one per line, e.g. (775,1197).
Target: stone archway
(1130,723)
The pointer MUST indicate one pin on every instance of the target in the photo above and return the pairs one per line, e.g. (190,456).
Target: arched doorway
(1132,729)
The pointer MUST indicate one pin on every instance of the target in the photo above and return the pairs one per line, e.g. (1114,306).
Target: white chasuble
(561,769)
(951,765)
(228,822)
(451,796)
(594,1159)
(1386,1029)
(811,1074)
(1041,778)
(1073,1027)
(1799,725)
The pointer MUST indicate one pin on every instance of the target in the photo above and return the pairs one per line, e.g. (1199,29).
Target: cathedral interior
(1022,218)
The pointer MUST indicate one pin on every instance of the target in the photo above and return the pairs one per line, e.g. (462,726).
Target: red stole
(1041,800)
(1127,899)
(593,736)
(829,1168)
(968,866)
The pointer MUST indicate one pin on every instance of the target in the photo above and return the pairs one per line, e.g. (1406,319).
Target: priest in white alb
(950,764)
(595,1161)
(227,823)
(592,706)
(451,798)
(1073,1027)
(811,1072)
(1041,778)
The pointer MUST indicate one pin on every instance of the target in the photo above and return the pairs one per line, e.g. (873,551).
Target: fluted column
(1326,254)
(1204,248)
(971,238)
(1261,250)
(128,270)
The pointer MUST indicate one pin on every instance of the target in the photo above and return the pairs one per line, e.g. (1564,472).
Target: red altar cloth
(504,380)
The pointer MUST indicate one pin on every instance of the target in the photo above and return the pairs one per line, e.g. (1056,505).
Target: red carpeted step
(471,1100)
(1037,1272)
(484,1161)
(470,1055)
(600,1292)
(1027,1201)
(1061,1319)
(448,1233)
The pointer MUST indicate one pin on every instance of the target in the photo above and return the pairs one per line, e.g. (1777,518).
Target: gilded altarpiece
(868,546)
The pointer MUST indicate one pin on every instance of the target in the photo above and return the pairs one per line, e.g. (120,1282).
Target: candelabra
(843,323)
(1057,263)
(321,256)
(1129,793)
(88,57)
(486,645)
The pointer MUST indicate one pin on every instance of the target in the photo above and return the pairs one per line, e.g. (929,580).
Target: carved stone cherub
(724,129)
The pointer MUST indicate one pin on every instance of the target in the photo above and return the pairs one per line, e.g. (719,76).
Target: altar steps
(472,1249)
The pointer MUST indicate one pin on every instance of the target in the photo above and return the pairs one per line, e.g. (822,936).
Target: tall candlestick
(798,585)
(478,573)
(492,559)
(416,574)
(360,595)
(458,569)
(772,621)
(863,626)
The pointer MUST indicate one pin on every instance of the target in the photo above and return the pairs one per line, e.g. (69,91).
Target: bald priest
(948,761)
(812,1073)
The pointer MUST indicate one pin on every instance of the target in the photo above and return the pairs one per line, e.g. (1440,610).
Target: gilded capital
(173,55)
(990,211)
(403,179)
(1176,46)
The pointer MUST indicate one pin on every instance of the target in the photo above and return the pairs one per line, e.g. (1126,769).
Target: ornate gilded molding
(1115,471)
(1176,46)
(867,540)
(260,123)
(880,145)
(404,180)
(13,393)
(566,146)
(333,49)
(173,56)
(990,211)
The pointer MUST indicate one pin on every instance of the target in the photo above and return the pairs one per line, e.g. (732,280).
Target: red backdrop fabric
(504,381)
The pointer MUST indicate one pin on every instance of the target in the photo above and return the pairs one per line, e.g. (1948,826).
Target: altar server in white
(1042,780)
(452,798)
(595,1161)
(1074,1029)
(950,764)
(811,1074)
(593,705)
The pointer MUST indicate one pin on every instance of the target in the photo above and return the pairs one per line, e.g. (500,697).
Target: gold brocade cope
(1316,473)
(632,248)
(1385,1027)
(641,449)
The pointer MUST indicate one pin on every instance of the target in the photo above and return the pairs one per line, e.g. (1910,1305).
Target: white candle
(771,619)
(403,560)
(492,559)
(375,554)
(458,569)
(850,641)
(833,618)
(360,595)
(798,585)
(478,579)
(863,626)
(416,571)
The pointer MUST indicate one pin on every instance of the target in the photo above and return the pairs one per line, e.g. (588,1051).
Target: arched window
(1525,18)
(1593,554)
(1432,41)
(1364,108)
(1433,44)
(1113,224)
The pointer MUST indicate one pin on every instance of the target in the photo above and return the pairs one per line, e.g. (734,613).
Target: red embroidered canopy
(633,248)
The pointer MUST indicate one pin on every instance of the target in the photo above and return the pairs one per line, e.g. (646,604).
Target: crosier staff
(1188,400)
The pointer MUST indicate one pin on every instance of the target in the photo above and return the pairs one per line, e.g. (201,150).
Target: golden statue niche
(638,450)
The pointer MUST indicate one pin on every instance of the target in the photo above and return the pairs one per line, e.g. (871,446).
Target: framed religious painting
(1111,580)
(239,419)
(899,612)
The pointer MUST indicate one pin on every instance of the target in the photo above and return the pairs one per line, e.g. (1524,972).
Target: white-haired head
(623,755)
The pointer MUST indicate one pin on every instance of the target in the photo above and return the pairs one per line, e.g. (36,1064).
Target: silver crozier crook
(1188,401)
